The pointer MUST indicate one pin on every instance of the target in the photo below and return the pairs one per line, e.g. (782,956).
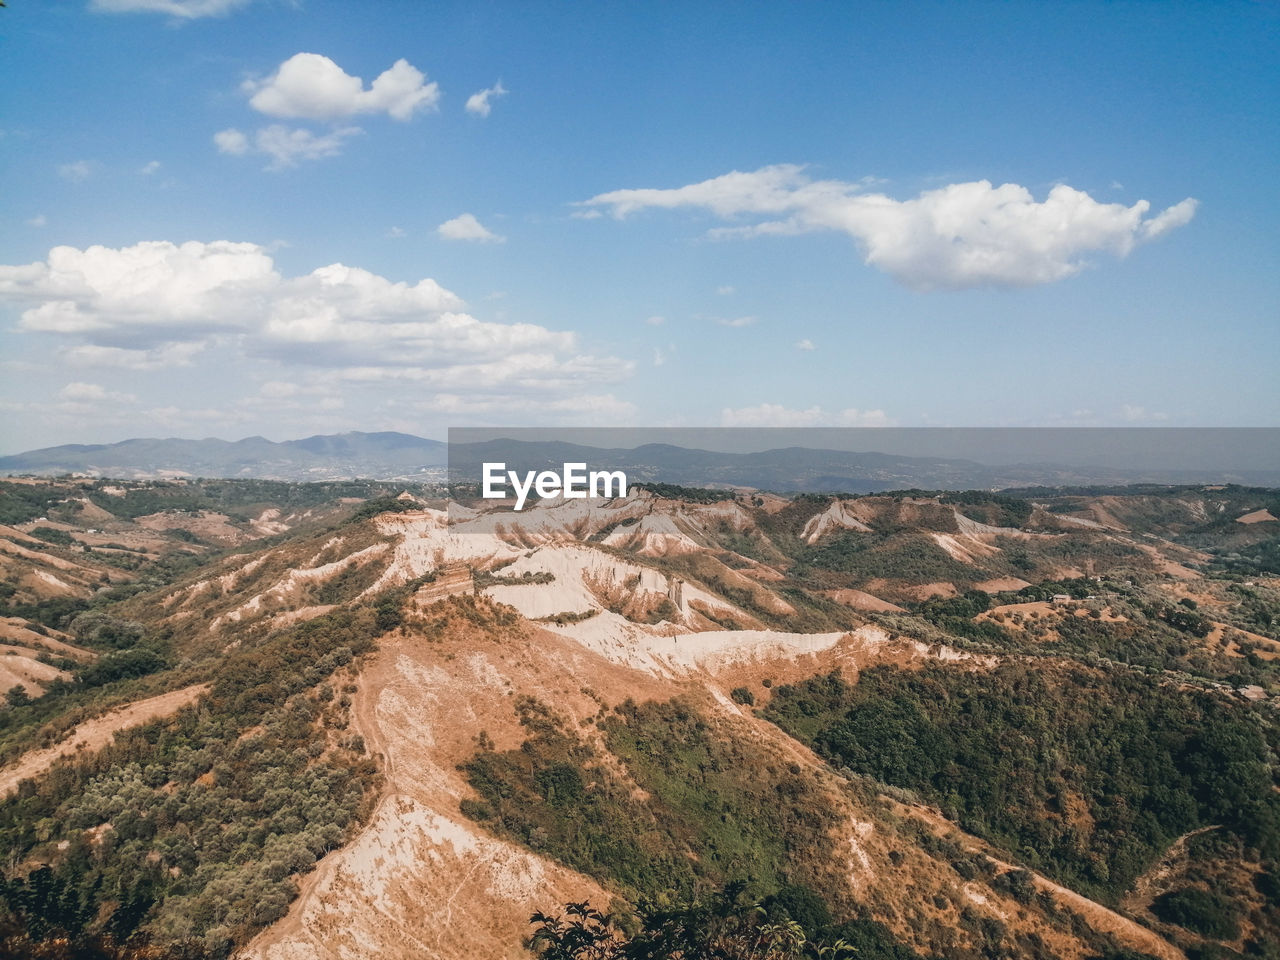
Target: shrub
(1204,912)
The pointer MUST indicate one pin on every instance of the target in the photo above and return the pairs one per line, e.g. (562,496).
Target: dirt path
(1143,892)
(1125,931)
(294,930)
(420,880)
(97,733)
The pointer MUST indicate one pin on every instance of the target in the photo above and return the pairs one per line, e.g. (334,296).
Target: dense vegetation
(713,812)
(1205,912)
(725,925)
(912,557)
(672,491)
(1142,628)
(130,499)
(1086,776)
(190,831)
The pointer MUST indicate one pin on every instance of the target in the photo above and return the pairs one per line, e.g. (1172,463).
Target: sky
(260,217)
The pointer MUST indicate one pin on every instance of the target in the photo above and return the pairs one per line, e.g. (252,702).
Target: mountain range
(327,457)
(791,468)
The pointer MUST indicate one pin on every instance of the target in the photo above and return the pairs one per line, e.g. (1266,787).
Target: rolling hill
(296,720)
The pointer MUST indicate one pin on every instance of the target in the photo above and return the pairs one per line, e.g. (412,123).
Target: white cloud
(279,388)
(1178,215)
(478,103)
(287,396)
(313,86)
(153,292)
(178,354)
(285,146)
(852,417)
(39,220)
(78,404)
(659,357)
(185,9)
(736,321)
(93,393)
(158,304)
(395,233)
(776,415)
(177,419)
(655,321)
(467,227)
(524,367)
(149,168)
(593,409)
(231,141)
(75,172)
(961,235)
(805,344)
(725,290)
(1135,414)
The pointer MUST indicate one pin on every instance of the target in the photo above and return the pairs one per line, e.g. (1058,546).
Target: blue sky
(695,214)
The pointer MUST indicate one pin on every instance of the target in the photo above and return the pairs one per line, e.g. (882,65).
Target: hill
(793,468)
(343,720)
(332,457)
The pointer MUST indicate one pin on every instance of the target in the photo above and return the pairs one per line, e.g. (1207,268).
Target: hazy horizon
(1160,451)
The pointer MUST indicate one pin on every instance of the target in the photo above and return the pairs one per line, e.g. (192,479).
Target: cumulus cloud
(231,141)
(961,235)
(478,103)
(93,393)
(805,344)
(158,304)
(154,358)
(286,146)
(150,292)
(776,415)
(184,9)
(313,86)
(467,227)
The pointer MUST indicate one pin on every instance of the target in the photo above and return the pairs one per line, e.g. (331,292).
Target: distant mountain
(801,469)
(400,456)
(335,457)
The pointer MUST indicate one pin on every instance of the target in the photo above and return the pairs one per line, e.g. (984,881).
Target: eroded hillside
(410,729)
